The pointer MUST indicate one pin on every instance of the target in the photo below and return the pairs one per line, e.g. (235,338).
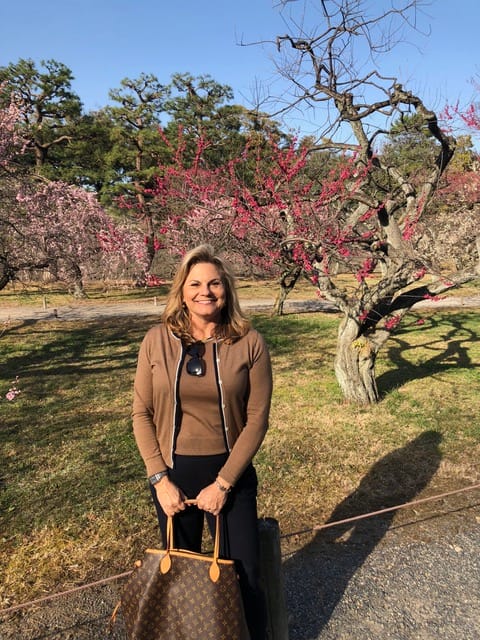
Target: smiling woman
(201,405)
(204,297)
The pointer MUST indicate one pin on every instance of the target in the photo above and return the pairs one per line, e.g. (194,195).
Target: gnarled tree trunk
(287,283)
(355,363)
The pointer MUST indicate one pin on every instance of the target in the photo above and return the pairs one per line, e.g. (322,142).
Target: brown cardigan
(244,377)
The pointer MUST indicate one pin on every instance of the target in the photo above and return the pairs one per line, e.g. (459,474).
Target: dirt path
(84,310)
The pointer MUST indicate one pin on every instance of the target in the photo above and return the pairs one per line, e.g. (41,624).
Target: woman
(201,402)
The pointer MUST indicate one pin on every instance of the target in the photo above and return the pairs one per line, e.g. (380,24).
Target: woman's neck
(203,332)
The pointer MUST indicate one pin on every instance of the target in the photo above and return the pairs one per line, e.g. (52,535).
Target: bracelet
(157,477)
(222,488)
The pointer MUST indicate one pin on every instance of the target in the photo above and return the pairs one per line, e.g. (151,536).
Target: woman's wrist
(222,485)
(157,477)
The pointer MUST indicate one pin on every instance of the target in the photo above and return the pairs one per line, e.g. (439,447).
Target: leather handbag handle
(166,562)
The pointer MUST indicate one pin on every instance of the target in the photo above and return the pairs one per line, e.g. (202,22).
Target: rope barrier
(315,528)
(68,592)
(405,505)
(371,514)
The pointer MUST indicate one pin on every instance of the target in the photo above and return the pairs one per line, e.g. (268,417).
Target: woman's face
(204,292)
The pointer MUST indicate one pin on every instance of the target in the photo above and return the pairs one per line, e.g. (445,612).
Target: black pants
(239,529)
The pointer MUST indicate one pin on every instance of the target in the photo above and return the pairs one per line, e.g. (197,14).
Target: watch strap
(157,477)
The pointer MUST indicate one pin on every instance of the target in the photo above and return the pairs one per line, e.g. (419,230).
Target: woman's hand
(170,497)
(212,499)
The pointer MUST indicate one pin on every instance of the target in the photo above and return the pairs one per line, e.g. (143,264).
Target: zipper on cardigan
(216,362)
(175,401)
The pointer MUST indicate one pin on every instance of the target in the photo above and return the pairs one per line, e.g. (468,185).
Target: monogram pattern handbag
(173,594)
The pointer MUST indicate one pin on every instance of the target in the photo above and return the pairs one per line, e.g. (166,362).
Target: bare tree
(378,212)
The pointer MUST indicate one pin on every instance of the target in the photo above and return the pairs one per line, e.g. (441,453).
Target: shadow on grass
(70,348)
(70,376)
(70,431)
(323,568)
(448,339)
(281,334)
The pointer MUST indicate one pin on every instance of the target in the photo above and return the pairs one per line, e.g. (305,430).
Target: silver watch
(157,477)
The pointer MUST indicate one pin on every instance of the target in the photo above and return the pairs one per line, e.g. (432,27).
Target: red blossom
(428,296)
(363,316)
(366,269)
(418,275)
(392,322)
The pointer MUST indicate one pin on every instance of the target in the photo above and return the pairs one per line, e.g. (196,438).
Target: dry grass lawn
(74,503)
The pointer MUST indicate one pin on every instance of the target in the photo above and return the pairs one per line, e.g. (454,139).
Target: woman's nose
(205,289)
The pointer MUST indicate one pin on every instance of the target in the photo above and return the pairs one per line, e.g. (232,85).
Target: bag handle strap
(166,562)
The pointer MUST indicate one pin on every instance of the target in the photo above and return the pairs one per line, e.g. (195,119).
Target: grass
(73,498)
(52,296)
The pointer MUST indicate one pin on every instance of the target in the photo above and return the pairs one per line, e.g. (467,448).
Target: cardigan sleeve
(143,410)
(256,412)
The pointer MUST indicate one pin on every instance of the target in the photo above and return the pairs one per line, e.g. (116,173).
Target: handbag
(174,594)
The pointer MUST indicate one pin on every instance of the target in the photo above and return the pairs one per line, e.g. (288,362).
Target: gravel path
(400,591)
(84,310)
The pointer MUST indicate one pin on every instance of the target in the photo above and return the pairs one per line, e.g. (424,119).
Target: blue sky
(103,41)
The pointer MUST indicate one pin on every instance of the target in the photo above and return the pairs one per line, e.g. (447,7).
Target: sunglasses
(196,365)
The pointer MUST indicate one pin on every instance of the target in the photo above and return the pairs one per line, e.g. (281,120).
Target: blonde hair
(233,323)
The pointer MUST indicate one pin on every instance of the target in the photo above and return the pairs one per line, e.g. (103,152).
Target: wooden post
(272,579)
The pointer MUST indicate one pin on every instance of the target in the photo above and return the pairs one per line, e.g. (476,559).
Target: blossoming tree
(48,226)
(358,231)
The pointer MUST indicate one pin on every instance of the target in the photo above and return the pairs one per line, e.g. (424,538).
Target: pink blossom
(420,273)
(152,280)
(14,391)
(391,323)
(365,270)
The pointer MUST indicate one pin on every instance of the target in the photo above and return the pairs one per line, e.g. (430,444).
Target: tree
(61,230)
(202,134)
(201,202)
(84,160)
(254,206)
(48,104)
(409,146)
(137,145)
(200,107)
(373,224)
(52,227)
(450,228)
(365,217)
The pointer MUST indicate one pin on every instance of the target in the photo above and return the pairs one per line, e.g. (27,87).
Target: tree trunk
(287,282)
(77,281)
(149,225)
(7,273)
(355,364)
